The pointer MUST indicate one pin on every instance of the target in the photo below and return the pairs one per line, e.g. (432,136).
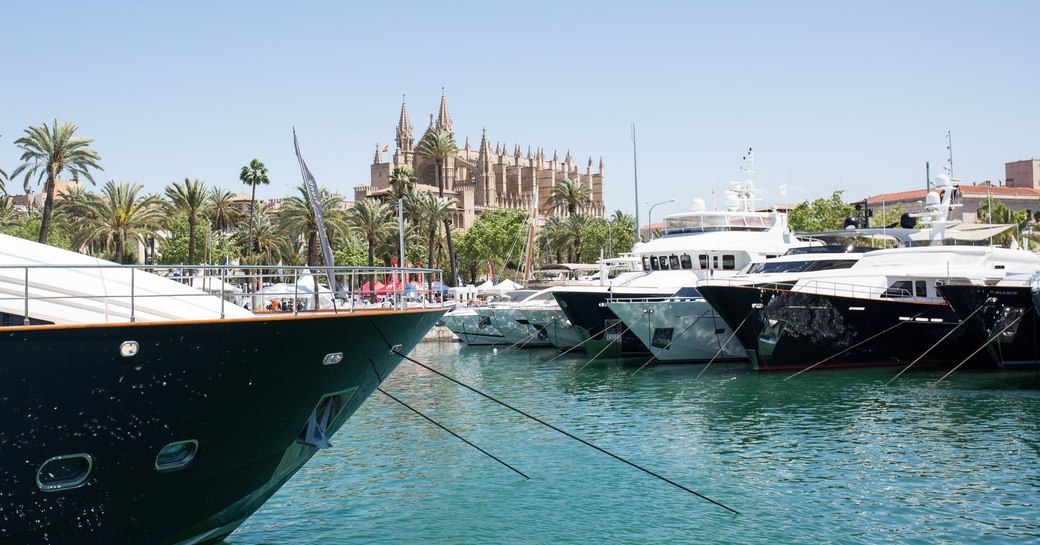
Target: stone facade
(484,178)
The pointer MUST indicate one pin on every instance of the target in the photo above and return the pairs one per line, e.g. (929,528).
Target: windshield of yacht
(800,266)
(718,221)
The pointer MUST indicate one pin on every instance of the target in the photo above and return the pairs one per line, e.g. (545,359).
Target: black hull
(243,389)
(785,330)
(596,324)
(1002,318)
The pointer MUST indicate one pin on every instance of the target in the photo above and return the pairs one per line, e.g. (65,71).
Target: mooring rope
(930,348)
(844,350)
(979,349)
(565,433)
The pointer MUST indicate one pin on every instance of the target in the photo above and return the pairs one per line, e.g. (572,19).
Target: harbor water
(825,457)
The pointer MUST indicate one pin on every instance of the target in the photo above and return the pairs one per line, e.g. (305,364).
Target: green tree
(495,237)
(570,196)
(994,211)
(371,220)
(188,198)
(221,210)
(438,146)
(430,212)
(9,213)
(402,183)
(253,174)
(267,243)
(622,232)
(553,239)
(174,247)
(47,152)
(821,214)
(297,220)
(117,216)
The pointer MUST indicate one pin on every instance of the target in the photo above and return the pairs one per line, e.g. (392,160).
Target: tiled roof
(999,190)
(917,194)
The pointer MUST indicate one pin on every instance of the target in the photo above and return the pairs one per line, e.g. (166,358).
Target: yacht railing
(258,288)
(835,289)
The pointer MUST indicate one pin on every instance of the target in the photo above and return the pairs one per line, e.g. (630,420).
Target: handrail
(826,287)
(117,297)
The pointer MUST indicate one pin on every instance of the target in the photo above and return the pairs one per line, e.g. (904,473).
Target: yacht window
(653,263)
(901,288)
(673,261)
(729,262)
(64,472)
(664,263)
(921,288)
(687,263)
(703,260)
(715,262)
(646,263)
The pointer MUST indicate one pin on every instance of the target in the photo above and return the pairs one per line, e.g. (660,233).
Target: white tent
(292,292)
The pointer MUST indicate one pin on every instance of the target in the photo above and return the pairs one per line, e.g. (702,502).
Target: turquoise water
(826,457)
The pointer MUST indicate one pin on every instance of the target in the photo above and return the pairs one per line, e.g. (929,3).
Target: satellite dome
(942,181)
(697,205)
(732,202)
(932,199)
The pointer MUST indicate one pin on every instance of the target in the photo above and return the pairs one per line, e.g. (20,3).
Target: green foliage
(492,237)
(28,227)
(351,253)
(212,246)
(821,214)
(994,211)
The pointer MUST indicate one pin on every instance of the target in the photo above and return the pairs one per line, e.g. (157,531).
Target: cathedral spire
(404,129)
(443,119)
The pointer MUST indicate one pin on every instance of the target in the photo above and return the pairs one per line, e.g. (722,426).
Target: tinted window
(703,261)
(673,261)
(653,263)
(921,288)
(687,263)
(729,262)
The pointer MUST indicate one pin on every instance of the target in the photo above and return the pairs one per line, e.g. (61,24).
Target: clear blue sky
(831,95)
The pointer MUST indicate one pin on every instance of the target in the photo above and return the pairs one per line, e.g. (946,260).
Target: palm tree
(9,213)
(569,195)
(438,146)
(297,218)
(188,197)
(221,209)
(115,217)
(431,211)
(553,238)
(253,174)
(372,220)
(402,183)
(47,152)
(574,229)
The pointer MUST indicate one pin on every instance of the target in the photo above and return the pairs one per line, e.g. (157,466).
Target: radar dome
(942,181)
(932,199)
(697,205)
(732,202)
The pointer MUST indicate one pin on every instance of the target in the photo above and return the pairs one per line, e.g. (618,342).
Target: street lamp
(650,215)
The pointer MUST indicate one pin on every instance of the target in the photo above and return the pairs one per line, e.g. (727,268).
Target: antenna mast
(635,175)
(949,148)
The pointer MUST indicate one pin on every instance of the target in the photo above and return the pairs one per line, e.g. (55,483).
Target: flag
(386,149)
(314,197)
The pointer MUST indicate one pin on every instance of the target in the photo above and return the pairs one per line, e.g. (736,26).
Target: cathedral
(484,178)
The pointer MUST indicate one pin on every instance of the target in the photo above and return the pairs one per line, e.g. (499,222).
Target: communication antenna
(949,149)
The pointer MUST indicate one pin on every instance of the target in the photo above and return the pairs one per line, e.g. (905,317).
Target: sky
(852,96)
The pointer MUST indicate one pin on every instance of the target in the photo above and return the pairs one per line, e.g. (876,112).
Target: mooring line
(568,434)
(582,343)
(457,436)
(669,345)
(979,349)
(844,350)
(619,342)
(930,348)
(723,347)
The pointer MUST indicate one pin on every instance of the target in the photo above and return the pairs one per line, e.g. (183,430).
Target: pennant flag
(314,197)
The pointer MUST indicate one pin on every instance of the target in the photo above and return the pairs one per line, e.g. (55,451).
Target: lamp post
(650,216)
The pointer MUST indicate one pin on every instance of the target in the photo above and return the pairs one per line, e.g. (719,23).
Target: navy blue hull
(243,390)
(785,330)
(1002,318)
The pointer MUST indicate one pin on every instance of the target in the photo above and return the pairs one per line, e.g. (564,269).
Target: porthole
(176,455)
(64,472)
